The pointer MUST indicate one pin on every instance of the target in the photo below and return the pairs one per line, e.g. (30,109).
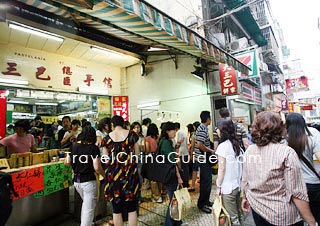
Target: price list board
(27,182)
(56,177)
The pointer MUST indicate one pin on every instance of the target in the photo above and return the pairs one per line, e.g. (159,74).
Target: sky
(299,22)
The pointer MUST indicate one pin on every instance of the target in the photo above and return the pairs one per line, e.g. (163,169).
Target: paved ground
(153,214)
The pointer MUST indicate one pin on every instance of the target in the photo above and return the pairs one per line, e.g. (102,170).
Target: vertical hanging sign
(228,80)
(120,106)
(3,111)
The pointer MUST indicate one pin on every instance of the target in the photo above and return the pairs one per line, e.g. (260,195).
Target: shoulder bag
(156,167)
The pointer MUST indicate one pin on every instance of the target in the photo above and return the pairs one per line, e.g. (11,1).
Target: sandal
(110,222)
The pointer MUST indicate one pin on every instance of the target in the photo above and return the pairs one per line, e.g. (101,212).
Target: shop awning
(246,19)
(140,22)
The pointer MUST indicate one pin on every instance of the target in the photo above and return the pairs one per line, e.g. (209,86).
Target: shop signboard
(27,182)
(257,96)
(56,177)
(3,110)
(120,106)
(48,70)
(250,59)
(285,105)
(291,107)
(297,84)
(247,91)
(228,80)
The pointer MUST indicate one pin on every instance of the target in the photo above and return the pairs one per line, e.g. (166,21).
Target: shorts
(122,207)
(195,166)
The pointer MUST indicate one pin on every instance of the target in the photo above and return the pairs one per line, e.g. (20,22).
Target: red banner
(3,112)
(228,80)
(27,182)
(120,106)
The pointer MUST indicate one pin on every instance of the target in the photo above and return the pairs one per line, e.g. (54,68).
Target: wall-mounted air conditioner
(238,44)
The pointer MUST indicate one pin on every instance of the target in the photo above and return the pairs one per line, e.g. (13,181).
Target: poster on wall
(228,80)
(120,106)
(104,107)
(3,110)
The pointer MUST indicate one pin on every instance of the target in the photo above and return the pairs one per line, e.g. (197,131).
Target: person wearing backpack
(306,142)
(6,191)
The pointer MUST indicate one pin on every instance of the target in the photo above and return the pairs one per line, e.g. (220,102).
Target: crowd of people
(278,185)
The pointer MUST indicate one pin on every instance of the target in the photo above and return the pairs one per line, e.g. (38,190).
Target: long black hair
(297,132)
(228,132)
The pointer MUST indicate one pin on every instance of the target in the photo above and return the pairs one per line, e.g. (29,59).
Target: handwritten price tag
(56,177)
(28,181)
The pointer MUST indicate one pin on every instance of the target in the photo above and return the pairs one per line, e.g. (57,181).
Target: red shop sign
(120,106)
(228,80)
(3,111)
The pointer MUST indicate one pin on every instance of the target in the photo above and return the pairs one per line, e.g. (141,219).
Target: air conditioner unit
(238,44)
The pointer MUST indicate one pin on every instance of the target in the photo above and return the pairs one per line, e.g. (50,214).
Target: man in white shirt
(182,148)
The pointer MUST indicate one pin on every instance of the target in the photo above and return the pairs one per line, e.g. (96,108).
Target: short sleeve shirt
(202,135)
(16,144)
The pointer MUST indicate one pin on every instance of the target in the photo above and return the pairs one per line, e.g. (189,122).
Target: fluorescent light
(47,104)
(35,31)
(17,102)
(156,49)
(14,81)
(146,105)
(94,91)
(105,51)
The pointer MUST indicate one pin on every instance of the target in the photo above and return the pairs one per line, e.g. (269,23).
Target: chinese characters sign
(120,106)
(55,71)
(3,112)
(56,177)
(27,182)
(228,80)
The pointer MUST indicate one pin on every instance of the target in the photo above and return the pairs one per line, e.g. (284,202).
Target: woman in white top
(230,169)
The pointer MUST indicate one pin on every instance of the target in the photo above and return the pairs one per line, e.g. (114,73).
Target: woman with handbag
(230,169)
(272,184)
(166,148)
(306,142)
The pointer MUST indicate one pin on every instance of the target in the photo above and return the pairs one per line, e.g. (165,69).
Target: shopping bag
(220,214)
(181,200)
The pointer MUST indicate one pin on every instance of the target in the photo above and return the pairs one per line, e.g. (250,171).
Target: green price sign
(56,177)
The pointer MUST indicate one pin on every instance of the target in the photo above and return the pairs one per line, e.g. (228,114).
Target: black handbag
(156,167)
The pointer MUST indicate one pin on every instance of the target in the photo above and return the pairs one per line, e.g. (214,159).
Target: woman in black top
(85,161)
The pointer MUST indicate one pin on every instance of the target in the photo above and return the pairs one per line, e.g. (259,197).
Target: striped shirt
(202,135)
(240,132)
(271,177)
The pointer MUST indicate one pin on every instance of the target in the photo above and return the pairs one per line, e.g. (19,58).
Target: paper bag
(181,200)
(220,214)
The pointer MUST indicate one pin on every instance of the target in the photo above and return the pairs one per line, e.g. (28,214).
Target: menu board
(56,177)
(28,181)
